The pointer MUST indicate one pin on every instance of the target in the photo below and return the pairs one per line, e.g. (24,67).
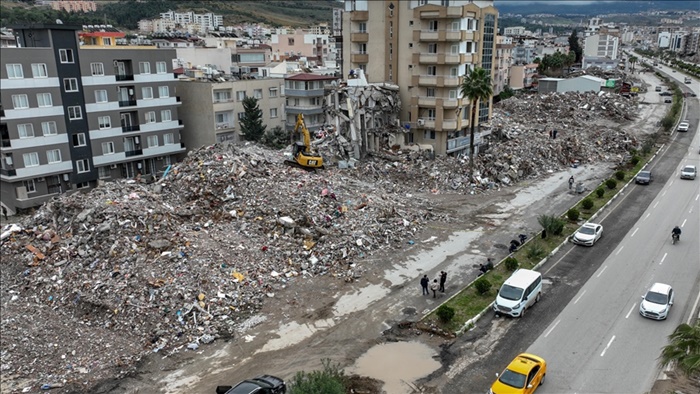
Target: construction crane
(302,155)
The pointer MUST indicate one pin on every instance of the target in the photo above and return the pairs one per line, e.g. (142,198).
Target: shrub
(573,214)
(635,160)
(620,175)
(600,192)
(587,203)
(551,224)
(445,313)
(330,380)
(611,183)
(535,251)
(511,263)
(482,285)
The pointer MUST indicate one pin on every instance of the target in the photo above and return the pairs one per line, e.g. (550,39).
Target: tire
(537,299)
(542,381)
(522,314)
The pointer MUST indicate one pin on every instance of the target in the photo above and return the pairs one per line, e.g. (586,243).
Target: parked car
(643,178)
(588,234)
(265,384)
(683,126)
(657,302)
(658,88)
(689,172)
(668,100)
(523,375)
(667,93)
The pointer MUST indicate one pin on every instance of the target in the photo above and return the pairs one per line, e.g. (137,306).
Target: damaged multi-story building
(424,47)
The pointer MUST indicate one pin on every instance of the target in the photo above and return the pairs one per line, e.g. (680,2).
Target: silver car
(657,302)
(689,172)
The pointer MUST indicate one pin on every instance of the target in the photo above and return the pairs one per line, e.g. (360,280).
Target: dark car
(665,94)
(265,384)
(643,178)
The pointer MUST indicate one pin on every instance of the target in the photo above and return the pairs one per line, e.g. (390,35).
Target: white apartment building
(601,45)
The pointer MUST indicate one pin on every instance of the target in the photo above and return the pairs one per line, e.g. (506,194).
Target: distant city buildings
(70,5)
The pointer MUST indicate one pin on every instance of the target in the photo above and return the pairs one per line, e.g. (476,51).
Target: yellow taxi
(523,375)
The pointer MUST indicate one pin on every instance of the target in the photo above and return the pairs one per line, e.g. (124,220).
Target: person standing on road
(4,212)
(434,287)
(443,279)
(571,182)
(424,281)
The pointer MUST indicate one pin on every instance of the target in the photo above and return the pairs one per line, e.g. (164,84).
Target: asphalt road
(587,326)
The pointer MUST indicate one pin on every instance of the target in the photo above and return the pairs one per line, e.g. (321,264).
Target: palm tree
(633,60)
(476,86)
(684,350)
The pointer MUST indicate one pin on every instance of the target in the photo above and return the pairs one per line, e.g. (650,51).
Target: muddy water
(397,364)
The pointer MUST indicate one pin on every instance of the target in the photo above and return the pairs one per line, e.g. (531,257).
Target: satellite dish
(59,22)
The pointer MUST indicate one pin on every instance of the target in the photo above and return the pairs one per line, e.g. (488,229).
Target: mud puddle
(397,364)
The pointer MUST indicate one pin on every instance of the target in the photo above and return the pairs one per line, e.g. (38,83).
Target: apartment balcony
(225,126)
(428,58)
(128,129)
(6,143)
(428,35)
(427,80)
(304,109)
(135,152)
(449,124)
(359,37)
(359,57)
(450,103)
(453,35)
(359,16)
(468,35)
(452,59)
(8,172)
(448,81)
(124,77)
(127,103)
(427,102)
(441,13)
(426,123)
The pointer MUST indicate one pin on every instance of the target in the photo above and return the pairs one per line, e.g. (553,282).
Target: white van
(521,291)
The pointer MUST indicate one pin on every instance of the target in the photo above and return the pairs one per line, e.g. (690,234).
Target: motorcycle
(675,238)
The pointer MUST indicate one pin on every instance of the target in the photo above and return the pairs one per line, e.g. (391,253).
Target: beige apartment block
(425,47)
(214,109)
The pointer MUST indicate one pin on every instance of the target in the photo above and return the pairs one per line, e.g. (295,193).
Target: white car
(689,172)
(683,126)
(588,234)
(657,302)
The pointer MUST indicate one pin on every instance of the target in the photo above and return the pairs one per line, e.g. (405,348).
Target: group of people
(434,286)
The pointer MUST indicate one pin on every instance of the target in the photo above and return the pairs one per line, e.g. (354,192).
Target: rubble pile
(182,261)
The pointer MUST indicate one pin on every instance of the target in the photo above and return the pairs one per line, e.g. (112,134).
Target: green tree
(276,138)
(329,381)
(251,124)
(683,350)
(476,86)
(633,60)
(575,46)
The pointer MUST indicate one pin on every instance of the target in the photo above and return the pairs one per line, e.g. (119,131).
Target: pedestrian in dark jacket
(424,281)
(434,287)
(443,279)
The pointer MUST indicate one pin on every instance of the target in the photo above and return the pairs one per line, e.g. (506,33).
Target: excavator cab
(302,155)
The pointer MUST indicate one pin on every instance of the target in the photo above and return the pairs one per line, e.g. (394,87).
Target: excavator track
(292,163)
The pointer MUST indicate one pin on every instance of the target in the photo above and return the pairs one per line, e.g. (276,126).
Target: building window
(75,113)
(79,140)
(66,55)
(49,128)
(147,93)
(454,49)
(454,72)
(432,48)
(455,26)
(163,91)
(433,26)
(167,161)
(152,141)
(70,84)
(100,96)
(30,186)
(39,70)
(168,139)
(445,3)
(82,185)
(222,96)
(273,113)
(31,159)
(20,101)
(422,2)
(14,71)
(44,99)
(97,69)
(83,166)
(105,122)
(53,156)
(432,70)
(25,130)
(257,93)
(144,67)
(429,134)
(241,116)
(151,117)
(108,148)
(161,68)
(166,115)
(431,114)
(107,41)
(290,41)
(363,27)
(453,94)
(430,92)
(104,172)
(240,95)
(273,92)
(362,48)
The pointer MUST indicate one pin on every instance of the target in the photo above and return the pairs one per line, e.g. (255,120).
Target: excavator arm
(303,156)
(304,132)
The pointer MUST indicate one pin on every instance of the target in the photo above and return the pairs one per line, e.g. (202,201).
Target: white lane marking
(552,329)
(601,272)
(631,309)
(606,348)
(664,193)
(691,209)
(671,183)
(560,259)
(634,232)
(696,197)
(645,217)
(657,203)
(579,297)
(619,250)
(683,224)
(663,258)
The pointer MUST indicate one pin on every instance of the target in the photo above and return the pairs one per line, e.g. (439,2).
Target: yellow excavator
(302,156)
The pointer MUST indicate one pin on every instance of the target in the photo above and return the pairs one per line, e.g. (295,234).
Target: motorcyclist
(676,232)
